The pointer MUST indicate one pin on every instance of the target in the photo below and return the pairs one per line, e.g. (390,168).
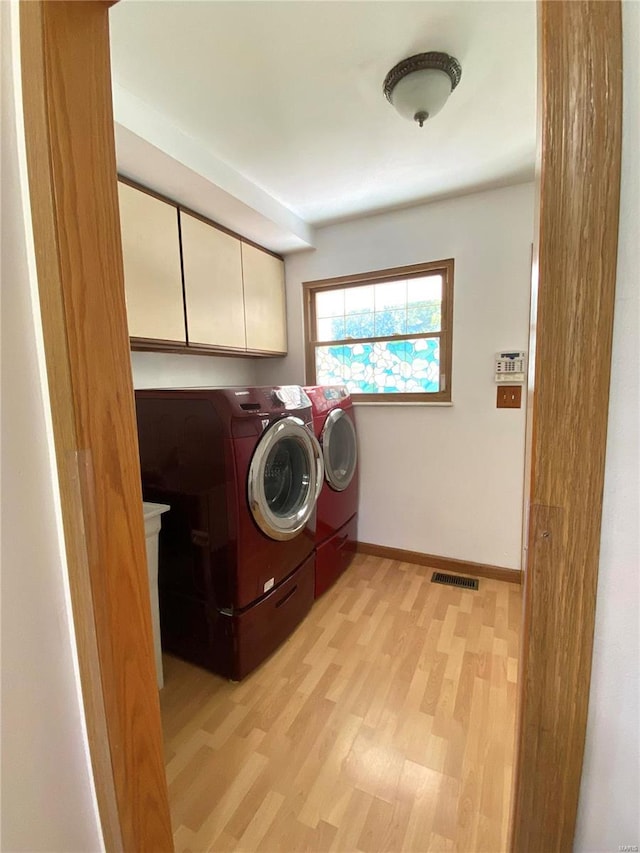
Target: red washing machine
(336,517)
(241,470)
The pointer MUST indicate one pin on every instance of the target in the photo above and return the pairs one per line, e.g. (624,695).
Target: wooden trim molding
(69,462)
(72,180)
(444,564)
(580,68)
(377,276)
(155,345)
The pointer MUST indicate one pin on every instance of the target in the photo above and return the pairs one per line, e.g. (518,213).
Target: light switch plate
(509,397)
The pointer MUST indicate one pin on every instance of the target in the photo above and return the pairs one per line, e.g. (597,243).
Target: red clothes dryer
(336,516)
(241,470)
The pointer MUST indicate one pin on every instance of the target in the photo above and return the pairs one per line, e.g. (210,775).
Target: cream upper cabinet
(212,265)
(265,309)
(152,273)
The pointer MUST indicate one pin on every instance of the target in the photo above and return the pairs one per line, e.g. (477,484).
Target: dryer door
(285,478)
(340,449)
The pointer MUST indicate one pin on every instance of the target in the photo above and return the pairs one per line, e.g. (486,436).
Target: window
(384,334)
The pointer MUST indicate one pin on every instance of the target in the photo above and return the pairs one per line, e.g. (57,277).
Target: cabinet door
(212,265)
(152,273)
(264,298)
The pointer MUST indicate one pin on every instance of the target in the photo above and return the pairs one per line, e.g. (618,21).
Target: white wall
(441,480)
(48,803)
(164,370)
(609,813)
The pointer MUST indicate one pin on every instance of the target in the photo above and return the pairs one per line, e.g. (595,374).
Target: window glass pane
(425,317)
(358,300)
(382,367)
(424,357)
(424,289)
(391,322)
(330,328)
(390,295)
(402,307)
(359,326)
(424,310)
(329,303)
(347,365)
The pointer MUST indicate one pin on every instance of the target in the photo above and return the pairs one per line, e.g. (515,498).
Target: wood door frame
(573,289)
(72,174)
(74,207)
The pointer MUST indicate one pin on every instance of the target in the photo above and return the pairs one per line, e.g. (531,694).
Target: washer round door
(340,449)
(285,478)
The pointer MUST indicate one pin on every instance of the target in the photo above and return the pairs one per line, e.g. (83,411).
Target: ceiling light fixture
(418,87)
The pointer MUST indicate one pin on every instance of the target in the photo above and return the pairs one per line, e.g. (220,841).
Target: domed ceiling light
(418,87)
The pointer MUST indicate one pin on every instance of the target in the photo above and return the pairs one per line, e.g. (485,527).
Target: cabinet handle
(287,596)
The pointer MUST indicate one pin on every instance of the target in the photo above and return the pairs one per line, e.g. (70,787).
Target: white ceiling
(280,103)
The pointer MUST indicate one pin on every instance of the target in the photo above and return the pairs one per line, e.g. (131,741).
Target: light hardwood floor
(385,723)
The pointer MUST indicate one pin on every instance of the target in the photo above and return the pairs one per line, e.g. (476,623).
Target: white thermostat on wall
(511,366)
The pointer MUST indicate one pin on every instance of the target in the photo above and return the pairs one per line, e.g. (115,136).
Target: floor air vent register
(454,580)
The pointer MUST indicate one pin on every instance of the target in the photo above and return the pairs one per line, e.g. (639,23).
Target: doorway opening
(71,155)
